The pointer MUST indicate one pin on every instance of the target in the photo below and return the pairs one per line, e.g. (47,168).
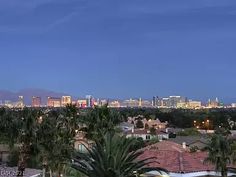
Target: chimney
(184,145)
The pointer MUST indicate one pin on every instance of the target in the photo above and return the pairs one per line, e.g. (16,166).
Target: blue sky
(120,48)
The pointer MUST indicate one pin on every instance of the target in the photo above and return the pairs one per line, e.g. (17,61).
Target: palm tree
(26,139)
(56,139)
(46,136)
(221,153)
(98,122)
(111,158)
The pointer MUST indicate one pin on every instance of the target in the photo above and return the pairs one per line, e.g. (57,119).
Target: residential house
(81,144)
(156,123)
(146,134)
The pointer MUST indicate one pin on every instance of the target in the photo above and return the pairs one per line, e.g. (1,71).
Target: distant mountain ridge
(28,94)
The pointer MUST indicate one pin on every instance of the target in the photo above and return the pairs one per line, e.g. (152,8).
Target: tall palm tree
(46,136)
(98,122)
(221,153)
(66,131)
(111,158)
(56,139)
(27,139)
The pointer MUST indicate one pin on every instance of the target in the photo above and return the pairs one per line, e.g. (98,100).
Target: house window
(81,148)
(148,137)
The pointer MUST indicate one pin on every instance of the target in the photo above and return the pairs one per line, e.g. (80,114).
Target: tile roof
(166,146)
(175,158)
(189,139)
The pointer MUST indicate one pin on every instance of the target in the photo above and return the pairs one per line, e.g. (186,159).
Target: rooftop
(145,131)
(189,139)
(174,158)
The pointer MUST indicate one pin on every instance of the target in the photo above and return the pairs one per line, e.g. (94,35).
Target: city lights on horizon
(174,102)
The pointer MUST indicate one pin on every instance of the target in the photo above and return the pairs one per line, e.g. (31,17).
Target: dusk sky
(120,48)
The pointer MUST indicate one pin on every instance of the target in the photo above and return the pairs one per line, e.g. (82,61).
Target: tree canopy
(112,158)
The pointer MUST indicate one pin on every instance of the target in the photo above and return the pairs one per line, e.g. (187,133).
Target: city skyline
(120,49)
(173,102)
(41,95)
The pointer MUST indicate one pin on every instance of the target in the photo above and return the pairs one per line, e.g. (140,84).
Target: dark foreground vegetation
(44,139)
(184,118)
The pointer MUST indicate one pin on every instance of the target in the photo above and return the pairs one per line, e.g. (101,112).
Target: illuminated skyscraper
(66,100)
(89,101)
(36,101)
(20,103)
(114,104)
(133,103)
(140,102)
(174,100)
(54,102)
(81,103)
(154,101)
(213,104)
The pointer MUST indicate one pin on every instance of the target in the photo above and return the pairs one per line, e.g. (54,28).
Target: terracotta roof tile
(174,158)
(167,146)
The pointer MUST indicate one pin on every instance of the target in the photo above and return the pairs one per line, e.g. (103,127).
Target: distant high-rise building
(181,105)
(8,103)
(170,102)
(131,103)
(174,100)
(146,103)
(65,100)
(36,101)
(114,104)
(89,101)
(81,103)
(213,104)
(154,101)
(165,102)
(20,102)
(140,102)
(103,102)
(54,102)
(233,105)
(194,104)
(159,102)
